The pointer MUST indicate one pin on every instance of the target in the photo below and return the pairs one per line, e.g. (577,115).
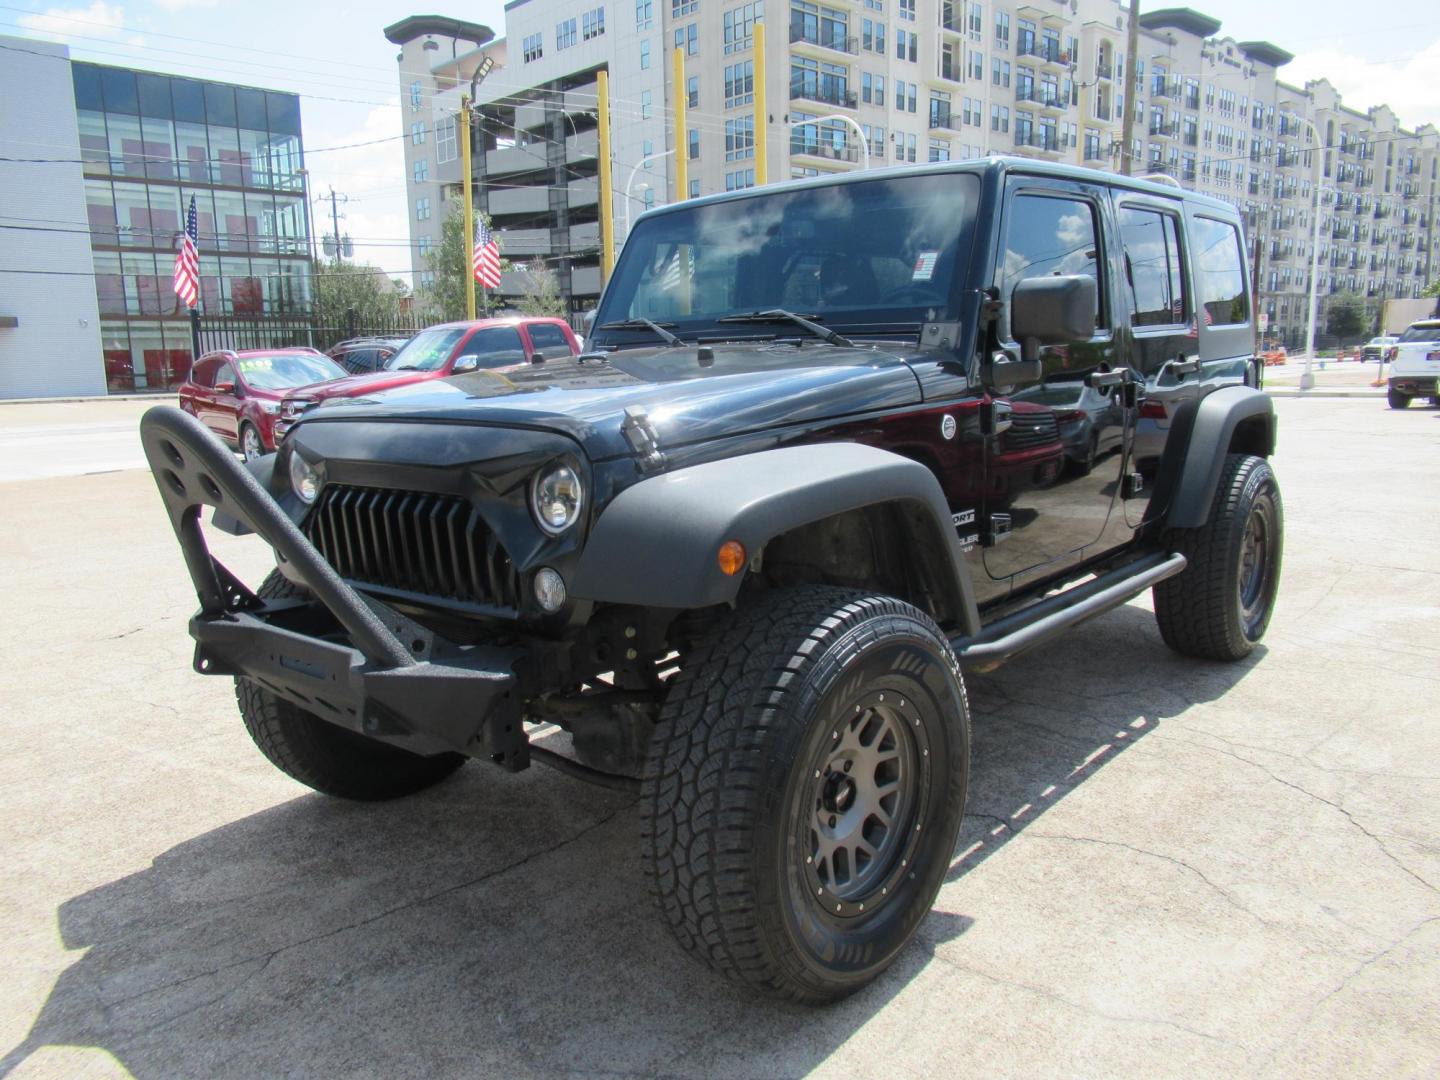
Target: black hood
(735,388)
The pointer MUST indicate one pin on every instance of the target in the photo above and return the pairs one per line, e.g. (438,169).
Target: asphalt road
(1169,868)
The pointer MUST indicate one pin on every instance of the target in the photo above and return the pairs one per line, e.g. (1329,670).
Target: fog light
(549,590)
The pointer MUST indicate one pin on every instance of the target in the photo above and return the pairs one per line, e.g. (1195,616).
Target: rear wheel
(1396,399)
(804,790)
(1220,606)
(323,755)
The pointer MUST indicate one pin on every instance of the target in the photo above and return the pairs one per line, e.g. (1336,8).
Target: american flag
(187,261)
(485,259)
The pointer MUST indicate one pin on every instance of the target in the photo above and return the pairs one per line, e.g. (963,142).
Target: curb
(93,400)
(1335,392)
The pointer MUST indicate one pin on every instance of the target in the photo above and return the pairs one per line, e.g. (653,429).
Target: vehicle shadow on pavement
(501,924)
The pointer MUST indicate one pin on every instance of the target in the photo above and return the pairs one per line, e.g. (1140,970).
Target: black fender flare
(656,543)
(1213,424)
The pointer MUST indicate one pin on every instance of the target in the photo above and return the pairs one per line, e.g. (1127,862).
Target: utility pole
(607,199)
(682,147)
(467,184)
(762,117)
(1127,126)
(335,222)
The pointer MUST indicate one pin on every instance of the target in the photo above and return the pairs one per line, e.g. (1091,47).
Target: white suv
(1416,368)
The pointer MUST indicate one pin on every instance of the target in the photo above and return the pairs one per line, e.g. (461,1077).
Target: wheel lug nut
(847,766)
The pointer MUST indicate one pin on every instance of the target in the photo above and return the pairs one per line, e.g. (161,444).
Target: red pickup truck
(448,349)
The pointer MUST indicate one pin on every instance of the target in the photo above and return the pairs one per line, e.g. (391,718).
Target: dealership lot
(1168,867)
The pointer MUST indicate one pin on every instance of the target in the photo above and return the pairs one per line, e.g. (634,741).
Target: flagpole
(194,335)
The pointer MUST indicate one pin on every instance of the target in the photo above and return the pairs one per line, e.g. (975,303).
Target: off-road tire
(733,789)
(323,755)
(1396,399)
(1201,611)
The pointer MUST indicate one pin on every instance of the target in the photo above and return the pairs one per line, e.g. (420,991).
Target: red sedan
(447,349)
(237,394)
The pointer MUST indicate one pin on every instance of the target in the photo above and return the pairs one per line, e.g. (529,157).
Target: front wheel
(1396,399)
(1220,606)
(804,790)
(251,447)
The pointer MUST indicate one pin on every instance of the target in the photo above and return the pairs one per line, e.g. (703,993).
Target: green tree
(1433,289)
(342,287)
(1346,317)
(444,299)
(540,290)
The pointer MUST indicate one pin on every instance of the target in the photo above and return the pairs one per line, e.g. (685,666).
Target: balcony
(821,148)
(1044,96)
(527,200)
(1162,88)
(1095,153)
(582,193)
(515,159)
(801,35)
(944,120)
(1165,131)
(1188,175)
(519,243)
(843,99)
(585,237)
(1104,71)
(1035,140)
(1047,52)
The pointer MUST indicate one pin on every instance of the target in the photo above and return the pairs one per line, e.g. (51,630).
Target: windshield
(284,370)
(871,253)
(427,350)
(1422,333)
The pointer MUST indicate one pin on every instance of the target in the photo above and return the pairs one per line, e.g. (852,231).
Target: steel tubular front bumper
(346,658)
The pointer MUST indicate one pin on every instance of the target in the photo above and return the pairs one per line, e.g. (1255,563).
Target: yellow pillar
(607,201)
(682,135)
(762,118)
(467,185)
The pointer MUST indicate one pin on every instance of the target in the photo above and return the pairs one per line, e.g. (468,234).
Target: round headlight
(556,499)
(303,478)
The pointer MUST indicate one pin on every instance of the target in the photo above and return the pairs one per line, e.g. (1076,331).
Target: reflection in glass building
(149,142)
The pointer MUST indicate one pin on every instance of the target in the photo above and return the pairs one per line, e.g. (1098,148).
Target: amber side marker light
(731,557)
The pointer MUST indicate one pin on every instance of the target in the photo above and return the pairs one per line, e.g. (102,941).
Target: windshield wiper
(775,315)
(642,323)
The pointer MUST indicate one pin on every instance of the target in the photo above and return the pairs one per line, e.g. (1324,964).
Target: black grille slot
(413,542)
(1028,430)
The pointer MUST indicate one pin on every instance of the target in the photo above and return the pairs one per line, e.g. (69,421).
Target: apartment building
(855,84)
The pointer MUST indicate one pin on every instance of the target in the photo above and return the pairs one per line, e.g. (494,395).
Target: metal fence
(228,332)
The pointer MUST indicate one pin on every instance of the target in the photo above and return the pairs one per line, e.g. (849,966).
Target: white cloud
(1408,85)
(75,25)
(181,5)
(372,176)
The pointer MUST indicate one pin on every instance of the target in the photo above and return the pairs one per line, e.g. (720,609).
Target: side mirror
(225,388)
(467,363)
(1049,311)
(537,358)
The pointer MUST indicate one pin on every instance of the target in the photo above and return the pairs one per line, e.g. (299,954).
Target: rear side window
(1046,236)
(1151,239)
(1219,272)
(549,340)
(358,360)
(496,347)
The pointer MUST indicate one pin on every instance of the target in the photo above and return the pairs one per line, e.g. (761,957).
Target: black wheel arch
(1230,420)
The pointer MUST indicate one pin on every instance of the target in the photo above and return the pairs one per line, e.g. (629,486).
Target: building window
(415,94)
(910,144)
(422,170)
(939,150)
(422,209)
(692,92)
(647,150)
(649,197)
(740,26)
(446,140)
(646,105)
(905,95)
(564,34)
(427,279)
(424,245)
(907,45)
(532,48)
(999,118)
(872,89)
(417,132)
(694,142)
(872,35)
(1002,29)
(688,38)
(592,24)
(644,14)
(907,12)
(645,55)
(740,84)
(683,7)
(740,180)
(1000,72)
(694,189)
(740,138)
(977,64)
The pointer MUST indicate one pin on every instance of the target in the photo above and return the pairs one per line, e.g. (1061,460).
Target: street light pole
(1307,379)
(630,183)
(859,133)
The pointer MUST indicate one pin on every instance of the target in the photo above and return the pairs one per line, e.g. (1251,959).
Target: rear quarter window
(1218,259)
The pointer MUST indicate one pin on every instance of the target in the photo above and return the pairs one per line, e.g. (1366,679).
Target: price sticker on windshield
(256,363)
(925,266)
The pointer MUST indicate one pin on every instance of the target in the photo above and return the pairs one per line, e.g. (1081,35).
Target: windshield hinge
(640,433)
(990,306)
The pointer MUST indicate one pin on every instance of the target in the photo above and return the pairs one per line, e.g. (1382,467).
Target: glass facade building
(149,142)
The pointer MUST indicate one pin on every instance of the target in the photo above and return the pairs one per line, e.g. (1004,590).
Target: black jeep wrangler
(836,442)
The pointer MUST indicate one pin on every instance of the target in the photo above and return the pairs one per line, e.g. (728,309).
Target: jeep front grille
(412,542)
(1029,430)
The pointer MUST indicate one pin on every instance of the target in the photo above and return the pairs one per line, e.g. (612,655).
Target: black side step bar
(1008,637)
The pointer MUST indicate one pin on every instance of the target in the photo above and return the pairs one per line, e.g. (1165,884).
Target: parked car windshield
(427,350)
(876,252)
(281,371)
(1422,333)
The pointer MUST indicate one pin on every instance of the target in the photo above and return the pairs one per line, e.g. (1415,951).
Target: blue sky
(336,55)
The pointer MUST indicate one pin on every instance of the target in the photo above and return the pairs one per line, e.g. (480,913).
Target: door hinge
(1132,486)
(997,528)
(640,433)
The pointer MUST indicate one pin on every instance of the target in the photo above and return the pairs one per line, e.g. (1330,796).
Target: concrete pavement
(1168,868)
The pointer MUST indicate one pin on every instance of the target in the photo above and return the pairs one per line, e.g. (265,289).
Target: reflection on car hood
(735,388)
(369,382)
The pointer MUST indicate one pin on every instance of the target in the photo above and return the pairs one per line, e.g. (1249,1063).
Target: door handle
(1182,365)
(1097,379)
